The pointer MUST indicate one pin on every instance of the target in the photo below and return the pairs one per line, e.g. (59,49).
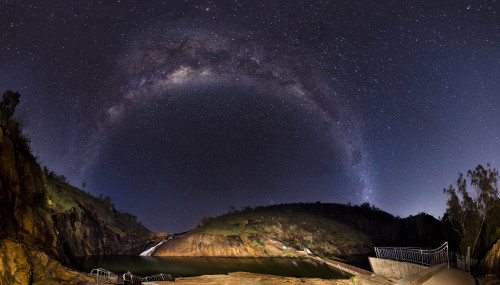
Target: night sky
(182,109)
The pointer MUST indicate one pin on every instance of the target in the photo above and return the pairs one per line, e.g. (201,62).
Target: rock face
(218,245)
(21,189)
(209,245)
(44,222)
(491,262)
(82,233)
(21,265)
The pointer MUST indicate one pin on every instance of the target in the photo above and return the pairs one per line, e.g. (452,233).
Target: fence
(415,255)
(105,276)
(137,280)
(465,261)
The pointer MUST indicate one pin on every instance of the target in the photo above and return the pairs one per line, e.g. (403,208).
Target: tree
(468,210)
(8,105)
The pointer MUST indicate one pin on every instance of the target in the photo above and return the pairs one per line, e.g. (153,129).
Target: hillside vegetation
(61,197)
(327,230)
(295,230)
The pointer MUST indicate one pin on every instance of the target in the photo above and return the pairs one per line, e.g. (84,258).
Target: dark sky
(182,109)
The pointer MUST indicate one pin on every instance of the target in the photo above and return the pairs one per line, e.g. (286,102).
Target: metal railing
(158,277)
(138,280)
(105,276)
(414,254)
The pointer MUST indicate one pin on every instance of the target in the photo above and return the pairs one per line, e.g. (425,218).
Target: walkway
(451,277)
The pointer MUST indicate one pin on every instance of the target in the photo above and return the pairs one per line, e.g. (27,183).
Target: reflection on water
(192,266)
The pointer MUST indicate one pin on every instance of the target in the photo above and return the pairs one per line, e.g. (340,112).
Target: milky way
(184,108)
(157,66)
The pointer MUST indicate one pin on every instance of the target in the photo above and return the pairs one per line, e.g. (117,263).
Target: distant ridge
(328,230)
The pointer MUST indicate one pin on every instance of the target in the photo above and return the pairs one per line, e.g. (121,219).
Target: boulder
(491,262)
(21,265)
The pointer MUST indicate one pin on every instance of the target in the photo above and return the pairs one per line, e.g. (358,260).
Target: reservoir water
(193,266)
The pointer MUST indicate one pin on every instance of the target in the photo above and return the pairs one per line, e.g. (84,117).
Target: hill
(268,233)
(327,230)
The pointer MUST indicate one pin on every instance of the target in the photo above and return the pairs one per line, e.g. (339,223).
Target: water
(193,266)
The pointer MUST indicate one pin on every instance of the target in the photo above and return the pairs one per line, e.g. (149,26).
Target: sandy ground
(451,277)
(243,278)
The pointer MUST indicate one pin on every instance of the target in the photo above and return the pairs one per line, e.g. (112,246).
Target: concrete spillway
(150,251)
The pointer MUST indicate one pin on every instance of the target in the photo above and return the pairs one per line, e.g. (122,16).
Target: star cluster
(182,109)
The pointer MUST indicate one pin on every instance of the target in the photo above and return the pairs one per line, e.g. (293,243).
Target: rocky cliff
(91,226)
(44,222)
(491,262)
(21,264)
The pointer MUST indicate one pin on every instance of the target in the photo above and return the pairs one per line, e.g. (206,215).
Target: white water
(150,251)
